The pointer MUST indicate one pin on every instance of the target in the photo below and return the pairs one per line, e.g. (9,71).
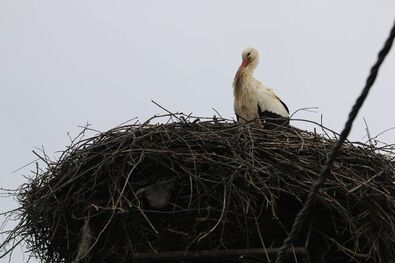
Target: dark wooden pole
(212,254)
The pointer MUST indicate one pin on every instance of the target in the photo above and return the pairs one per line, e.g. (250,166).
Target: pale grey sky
(63,63)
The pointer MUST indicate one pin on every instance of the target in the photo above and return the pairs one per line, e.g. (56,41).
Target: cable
(311,198)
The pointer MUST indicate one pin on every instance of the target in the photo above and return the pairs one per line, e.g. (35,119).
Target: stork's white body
(252,100)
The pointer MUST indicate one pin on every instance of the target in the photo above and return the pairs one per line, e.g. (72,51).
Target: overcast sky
(65,63)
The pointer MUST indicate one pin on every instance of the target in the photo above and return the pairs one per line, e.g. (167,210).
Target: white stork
(252,100)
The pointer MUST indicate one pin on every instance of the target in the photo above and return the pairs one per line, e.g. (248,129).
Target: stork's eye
(248,55)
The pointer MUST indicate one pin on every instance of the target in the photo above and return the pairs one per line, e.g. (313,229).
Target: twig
(172,114)
(220,218)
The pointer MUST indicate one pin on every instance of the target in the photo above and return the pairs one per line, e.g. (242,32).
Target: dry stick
(320,125)
(12,248)
(371,143)
(304,212)
(42,159)
(220,218)
(24,166)
(366,182)
(261,238)
(309,109)
(171,114)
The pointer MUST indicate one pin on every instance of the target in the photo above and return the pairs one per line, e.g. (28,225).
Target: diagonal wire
(304,212)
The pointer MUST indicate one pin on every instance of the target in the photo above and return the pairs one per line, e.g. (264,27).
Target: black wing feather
(271,117)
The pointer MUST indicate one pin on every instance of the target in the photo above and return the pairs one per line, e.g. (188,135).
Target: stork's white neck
(242,82)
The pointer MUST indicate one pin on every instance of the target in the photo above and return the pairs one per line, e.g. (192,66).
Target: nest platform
(227,193)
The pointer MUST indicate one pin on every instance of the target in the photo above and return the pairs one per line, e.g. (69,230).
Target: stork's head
(250,57)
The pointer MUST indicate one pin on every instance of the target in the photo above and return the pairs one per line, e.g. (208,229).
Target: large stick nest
(207,185)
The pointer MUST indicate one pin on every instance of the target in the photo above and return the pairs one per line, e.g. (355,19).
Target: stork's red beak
(243,65)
